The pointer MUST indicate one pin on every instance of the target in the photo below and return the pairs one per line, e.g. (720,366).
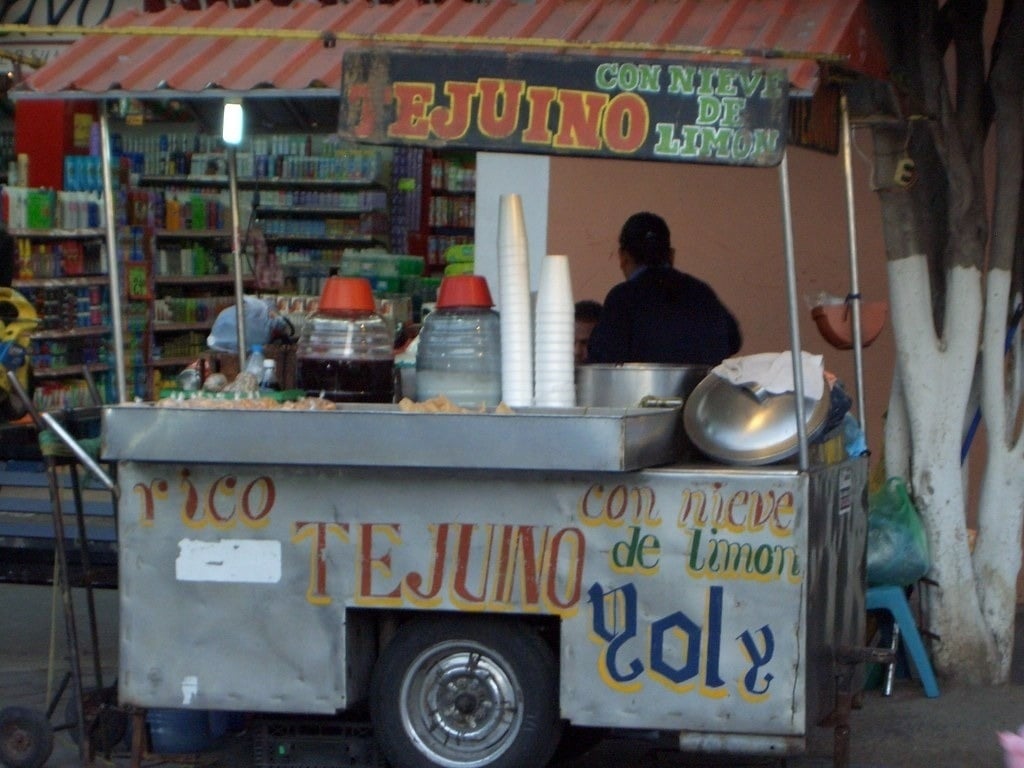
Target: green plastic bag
(897,544)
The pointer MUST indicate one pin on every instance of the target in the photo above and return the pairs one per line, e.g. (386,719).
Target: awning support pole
(794,317)
(113,266)
(236,253)
(854,298)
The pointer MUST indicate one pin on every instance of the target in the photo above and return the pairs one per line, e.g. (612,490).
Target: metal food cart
(476,581)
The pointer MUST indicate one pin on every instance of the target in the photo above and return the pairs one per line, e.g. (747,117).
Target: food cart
(478,581)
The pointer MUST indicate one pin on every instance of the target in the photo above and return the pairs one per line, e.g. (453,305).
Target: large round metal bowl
(729,423)
(626,385)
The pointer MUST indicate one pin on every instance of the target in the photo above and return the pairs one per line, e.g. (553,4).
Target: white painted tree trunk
(936,373)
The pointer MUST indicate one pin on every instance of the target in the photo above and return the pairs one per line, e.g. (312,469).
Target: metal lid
(730,423)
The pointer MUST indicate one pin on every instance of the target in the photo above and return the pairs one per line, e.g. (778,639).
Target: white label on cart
(234,560)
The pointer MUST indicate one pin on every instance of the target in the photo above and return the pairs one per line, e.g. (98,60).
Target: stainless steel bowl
(627,385)
(729,423)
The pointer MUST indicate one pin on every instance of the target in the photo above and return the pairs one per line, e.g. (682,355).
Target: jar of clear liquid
(459,348)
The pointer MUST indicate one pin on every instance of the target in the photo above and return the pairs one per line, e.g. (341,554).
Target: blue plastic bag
(897,543)
(262,323)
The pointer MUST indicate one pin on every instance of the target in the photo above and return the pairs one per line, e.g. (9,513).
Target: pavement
(904,730)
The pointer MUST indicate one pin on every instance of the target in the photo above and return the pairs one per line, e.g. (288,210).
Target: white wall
(501,174)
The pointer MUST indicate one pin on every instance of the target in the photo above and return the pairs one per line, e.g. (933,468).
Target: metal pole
(794,317)
(236,252)
(113,266)
(854,297)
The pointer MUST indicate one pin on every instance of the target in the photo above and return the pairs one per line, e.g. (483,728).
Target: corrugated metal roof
(279,50)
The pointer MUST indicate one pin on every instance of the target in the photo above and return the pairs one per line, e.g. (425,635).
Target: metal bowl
(731,424)
(627,385)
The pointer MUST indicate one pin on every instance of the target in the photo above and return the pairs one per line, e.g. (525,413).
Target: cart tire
(26,738)
(107,725)
(461,692)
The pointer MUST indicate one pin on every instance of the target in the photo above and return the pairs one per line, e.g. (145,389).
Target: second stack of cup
(554,326)
(514,304)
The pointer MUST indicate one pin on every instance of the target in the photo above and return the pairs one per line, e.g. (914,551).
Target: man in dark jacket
(659,314)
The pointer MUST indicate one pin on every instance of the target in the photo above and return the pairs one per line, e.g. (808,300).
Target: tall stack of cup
(514,301)
(554,330)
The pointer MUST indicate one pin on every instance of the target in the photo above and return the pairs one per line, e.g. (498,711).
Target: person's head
(644,241)
(587,314)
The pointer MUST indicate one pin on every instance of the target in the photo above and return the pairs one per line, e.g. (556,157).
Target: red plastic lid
(347,294)
(464,291)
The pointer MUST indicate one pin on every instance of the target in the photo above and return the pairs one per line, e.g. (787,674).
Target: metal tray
(603,439)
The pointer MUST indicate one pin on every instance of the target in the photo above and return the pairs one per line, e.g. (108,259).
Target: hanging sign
(638,109)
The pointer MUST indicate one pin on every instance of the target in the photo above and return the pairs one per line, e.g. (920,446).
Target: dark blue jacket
(662,315)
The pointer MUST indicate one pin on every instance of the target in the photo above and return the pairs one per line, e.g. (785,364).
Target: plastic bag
(262,323)
(897,544)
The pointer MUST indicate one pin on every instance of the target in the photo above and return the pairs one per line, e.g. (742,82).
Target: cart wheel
(460,692)
(26,738)
(107,725)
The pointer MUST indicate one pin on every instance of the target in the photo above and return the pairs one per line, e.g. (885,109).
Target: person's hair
(646,238)
(588,311)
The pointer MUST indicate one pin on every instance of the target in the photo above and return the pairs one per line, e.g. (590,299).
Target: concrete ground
(905,730)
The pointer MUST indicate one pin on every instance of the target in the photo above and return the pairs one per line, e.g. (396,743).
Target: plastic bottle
(254,363)
(269,378)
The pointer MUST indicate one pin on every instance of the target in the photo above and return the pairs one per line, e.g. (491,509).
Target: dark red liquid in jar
(348,381)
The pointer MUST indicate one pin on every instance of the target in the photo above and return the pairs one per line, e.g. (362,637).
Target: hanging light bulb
(234,119)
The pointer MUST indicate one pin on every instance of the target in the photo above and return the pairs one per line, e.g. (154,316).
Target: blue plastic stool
(894,600)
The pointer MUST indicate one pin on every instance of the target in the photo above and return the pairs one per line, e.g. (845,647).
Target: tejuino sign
(645,109)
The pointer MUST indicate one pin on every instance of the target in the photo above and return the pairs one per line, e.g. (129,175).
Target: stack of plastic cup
(554,327)
(514,304)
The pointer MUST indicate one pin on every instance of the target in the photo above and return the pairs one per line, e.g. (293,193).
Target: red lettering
(317,590)
(463,555)
(579,125)
(626,122)
(148,495)
(452,122)
(411,102)
(539,99)
(188,509)
(498,123)
(258,512)
(367,562)
(224,486)
(573,539)
(414,580)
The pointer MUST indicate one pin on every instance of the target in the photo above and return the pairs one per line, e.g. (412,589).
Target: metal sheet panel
(680,593)
(609,439)
(285,49)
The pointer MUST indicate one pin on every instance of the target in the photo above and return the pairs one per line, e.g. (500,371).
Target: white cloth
(772,372)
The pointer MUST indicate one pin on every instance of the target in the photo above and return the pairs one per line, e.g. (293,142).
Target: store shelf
(73,333)
(257,183)
(56,282)
(58,234)
(331,240)
(68,370)
(311,210)
(181,327)
(199,279)
(171,362)
(193,234)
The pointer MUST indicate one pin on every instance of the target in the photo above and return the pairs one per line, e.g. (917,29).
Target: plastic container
(459,351)
(254,363)
(346,350)
(180,731)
